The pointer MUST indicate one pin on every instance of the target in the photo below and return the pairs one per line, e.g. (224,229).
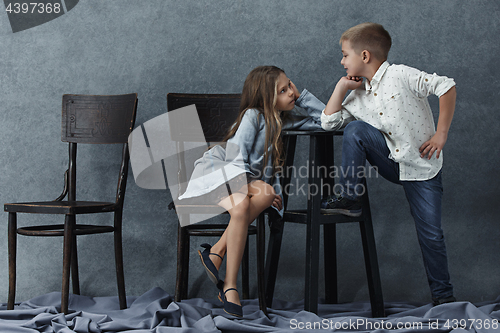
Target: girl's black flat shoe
(230,308)
(212,272)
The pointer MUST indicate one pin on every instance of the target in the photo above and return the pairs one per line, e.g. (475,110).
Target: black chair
(321,154)
(216,112)
(93,120)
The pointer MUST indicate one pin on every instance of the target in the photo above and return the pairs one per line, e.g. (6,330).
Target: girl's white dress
(224,170)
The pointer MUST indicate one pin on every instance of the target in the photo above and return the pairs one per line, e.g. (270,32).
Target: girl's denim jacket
(244,152)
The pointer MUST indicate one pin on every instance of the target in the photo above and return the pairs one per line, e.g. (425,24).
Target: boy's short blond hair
(371,37)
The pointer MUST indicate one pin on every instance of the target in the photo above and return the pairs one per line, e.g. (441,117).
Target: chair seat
(199,209)
(60,207)
(214,229)
(300,216)
(58,230)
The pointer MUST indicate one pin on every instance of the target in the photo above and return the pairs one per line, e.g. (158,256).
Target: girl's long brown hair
(260,93)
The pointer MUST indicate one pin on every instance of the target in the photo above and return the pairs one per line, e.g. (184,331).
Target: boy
(390,124)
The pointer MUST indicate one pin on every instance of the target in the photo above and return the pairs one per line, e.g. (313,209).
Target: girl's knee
(261,188)
(262,193)
(269,194)
(241,208)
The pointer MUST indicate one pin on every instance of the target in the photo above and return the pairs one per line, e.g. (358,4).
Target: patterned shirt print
(395,102)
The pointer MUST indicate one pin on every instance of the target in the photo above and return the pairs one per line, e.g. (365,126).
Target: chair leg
(69,225)
(372,270)
(312,235)
(178,280)
(330,231)
(12,259)
(272,258)
(276,226)
(181,282)
(371,261)
(245,280)
(330,258)
(261,249)
(185,273)
(75,280)
(120,276)
(312,267)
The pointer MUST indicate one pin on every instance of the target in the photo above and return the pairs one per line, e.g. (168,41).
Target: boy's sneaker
(340,205)
(439,301)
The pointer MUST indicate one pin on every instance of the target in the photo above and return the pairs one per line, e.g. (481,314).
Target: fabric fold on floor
(156,312)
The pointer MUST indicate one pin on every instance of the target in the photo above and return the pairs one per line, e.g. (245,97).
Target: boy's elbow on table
(331,126)
(331,122)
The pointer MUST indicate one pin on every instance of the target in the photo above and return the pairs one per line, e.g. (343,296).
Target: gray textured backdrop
(155,47)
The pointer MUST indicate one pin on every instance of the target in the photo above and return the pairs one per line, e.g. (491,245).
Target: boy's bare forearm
(335,102)
(446,110)
(345,84)
(438,140)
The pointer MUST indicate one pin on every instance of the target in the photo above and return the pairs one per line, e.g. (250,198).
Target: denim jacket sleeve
(313,106)
(246,139)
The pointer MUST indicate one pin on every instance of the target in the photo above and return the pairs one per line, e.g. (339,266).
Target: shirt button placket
(378,104)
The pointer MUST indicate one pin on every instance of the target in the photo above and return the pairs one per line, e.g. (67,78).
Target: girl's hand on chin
(296,92)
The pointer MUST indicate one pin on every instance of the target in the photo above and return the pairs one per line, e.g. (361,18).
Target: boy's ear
(365,56)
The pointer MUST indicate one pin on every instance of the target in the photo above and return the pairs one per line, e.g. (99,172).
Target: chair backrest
(217,112)
(100,120)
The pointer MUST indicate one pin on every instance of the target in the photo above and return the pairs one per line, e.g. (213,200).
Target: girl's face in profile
(285,100)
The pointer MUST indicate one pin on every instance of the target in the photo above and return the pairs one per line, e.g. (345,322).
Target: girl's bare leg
(243,209)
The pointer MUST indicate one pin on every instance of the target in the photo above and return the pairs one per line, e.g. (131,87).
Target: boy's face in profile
(352,61)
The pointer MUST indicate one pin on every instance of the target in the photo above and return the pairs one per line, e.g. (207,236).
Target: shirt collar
(376,78)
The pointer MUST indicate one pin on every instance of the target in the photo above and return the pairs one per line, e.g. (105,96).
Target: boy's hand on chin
(352,82)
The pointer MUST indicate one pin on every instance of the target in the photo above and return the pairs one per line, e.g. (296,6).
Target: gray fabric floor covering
(155,311)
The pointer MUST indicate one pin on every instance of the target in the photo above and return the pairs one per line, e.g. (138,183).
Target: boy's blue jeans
(362,142)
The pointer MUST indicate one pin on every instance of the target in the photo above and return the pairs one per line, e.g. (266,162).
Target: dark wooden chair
(93,120)
(216,112)
(321,154)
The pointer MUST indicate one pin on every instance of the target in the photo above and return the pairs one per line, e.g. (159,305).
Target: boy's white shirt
(395,102)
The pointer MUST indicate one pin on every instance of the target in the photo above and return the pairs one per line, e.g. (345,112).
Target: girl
(254,151)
